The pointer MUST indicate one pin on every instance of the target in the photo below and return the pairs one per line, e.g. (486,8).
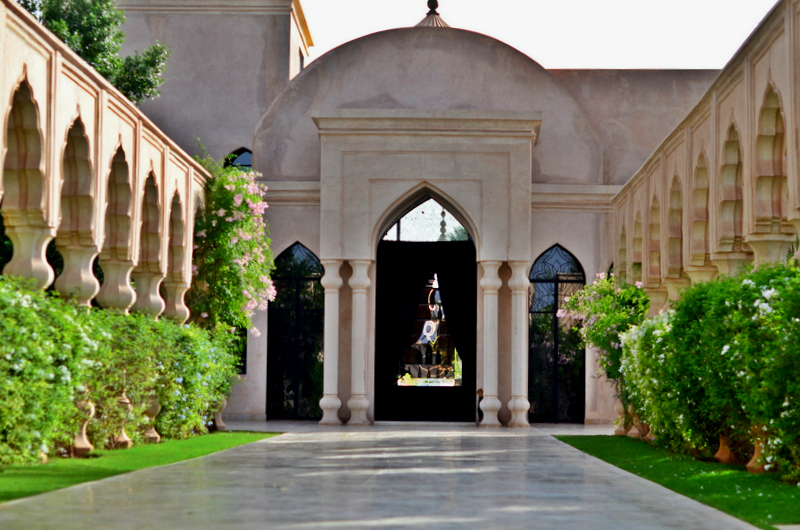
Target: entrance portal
(425,355)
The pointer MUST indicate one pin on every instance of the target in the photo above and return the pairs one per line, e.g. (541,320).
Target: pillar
(731,263)
(519,404)
(701,274)
(148,298)
(116,290)
(358,402)
(77,281)
(330,402)
(30,244)
(490,283)
(174,304)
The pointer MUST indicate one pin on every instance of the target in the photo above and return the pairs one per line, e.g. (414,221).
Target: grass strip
(761,500)
(22,481)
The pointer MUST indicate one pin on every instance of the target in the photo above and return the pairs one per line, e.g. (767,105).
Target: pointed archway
(295,337)
(425,347)
(556,364)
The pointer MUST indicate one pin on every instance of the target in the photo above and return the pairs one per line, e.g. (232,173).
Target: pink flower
(234,240)
(201,233)
(255,332)
(639,285)
(561,313)
(230,187)
(203,315)
(237,200)
(221,213)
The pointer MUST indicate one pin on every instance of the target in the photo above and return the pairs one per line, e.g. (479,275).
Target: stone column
(701,274)
(30,244)
(731,263)
(490,283)
(175,306)
(330,402)
(148,298)
(519,404)
(358,402)
(77,280)
(116,290)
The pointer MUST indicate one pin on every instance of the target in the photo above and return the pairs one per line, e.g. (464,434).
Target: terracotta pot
(724,453)
(755,465)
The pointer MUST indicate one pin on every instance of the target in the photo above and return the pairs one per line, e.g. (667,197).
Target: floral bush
(232,257)
(723,366)
(42,351)
(607,308)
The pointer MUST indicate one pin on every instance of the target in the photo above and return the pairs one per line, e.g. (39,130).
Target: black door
(294,342)
(426,331)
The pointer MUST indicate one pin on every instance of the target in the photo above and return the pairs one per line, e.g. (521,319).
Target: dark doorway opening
(425,354)
(294,342)
(556,360)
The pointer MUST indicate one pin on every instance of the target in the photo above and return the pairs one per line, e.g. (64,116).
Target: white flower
(769,293)
(725,349)
(749,283)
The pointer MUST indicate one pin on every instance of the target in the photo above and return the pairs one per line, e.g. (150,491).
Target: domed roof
(427,68)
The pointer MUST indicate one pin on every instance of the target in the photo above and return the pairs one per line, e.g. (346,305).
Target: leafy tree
(92,29)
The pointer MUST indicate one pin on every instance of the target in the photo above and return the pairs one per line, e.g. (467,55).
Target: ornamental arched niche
(436,69)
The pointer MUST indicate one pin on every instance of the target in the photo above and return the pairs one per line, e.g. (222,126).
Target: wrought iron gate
(294,360)
(556,362)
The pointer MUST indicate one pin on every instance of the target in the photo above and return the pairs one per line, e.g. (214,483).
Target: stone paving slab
(379,477)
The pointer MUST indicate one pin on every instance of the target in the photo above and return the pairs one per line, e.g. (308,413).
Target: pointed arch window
(242,159)
(427,221)
(556,365)
(295,336)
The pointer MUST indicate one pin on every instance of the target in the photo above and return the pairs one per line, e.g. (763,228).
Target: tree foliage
(91,28)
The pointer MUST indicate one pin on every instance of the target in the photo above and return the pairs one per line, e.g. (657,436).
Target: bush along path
(53,354)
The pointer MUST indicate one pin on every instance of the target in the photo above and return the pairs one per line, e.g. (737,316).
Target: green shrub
(724,362)
(44,341)
(48,362)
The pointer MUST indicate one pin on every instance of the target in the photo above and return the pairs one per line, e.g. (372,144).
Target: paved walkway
(386,476)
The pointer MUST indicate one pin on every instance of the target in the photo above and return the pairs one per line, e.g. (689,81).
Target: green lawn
(761,500)
(22,481)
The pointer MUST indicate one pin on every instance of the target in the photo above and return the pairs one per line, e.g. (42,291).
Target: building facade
(521,177)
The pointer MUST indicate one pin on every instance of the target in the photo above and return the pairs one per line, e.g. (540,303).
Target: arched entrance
(425,354)
(556,367)
(294,362)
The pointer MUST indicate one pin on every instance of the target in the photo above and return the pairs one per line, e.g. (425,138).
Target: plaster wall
(229,60)
(633,110)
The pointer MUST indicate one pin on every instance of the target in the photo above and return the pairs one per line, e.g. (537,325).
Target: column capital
(360,281)
(332,280)
(491,279)
(519,280)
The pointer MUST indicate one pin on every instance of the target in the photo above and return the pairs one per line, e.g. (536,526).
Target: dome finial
(433,4)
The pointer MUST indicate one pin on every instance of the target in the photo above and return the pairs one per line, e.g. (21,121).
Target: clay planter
(218,423)
(620,429)
(724,454)
(755,465)
(82,446)
(122,440)
(152,410)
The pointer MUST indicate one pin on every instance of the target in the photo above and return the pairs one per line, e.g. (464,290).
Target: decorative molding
(596,197)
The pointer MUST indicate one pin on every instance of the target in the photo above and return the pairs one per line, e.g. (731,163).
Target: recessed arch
(77,190)
(119,205)
(698,239)
(176,250)
(654,243)
(635,272)
(730,204)
(622,255)
(674,245)
(23,178)
(771,190)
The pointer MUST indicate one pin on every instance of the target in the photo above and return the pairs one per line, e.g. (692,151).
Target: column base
(330,405)
(490,407)
(358,405)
